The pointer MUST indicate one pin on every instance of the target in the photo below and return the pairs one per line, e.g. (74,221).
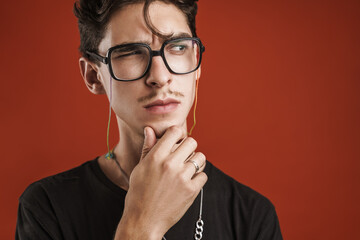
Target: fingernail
(145,131)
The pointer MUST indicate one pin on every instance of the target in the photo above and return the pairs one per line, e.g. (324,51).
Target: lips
(162,106)
(161,102)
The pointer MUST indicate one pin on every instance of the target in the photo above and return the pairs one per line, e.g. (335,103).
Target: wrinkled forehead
(128,25)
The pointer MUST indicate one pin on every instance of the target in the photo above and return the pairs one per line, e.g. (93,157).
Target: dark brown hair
(94,15)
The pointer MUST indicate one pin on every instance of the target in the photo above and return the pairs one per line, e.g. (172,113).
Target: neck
(128,150)
(127,153)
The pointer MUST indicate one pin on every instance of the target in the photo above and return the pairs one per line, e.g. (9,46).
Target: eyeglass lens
(131,61)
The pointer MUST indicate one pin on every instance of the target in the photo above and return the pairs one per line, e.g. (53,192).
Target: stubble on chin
(160,130)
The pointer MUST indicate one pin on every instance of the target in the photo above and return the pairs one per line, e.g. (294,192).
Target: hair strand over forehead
(94,16)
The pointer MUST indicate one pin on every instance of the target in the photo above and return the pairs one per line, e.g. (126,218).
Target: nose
(158,75)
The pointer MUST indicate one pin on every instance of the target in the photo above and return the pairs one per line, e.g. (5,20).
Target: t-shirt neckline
(104,179)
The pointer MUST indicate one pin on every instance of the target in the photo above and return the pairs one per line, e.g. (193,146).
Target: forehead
(128,24)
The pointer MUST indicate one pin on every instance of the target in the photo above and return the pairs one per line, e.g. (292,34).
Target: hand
(163,185)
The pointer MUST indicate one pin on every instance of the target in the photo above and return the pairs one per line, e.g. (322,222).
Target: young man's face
(130,98)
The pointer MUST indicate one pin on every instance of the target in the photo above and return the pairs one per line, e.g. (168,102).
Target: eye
(129,52)
(176,48)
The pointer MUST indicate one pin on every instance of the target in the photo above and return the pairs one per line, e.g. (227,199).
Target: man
(145,56)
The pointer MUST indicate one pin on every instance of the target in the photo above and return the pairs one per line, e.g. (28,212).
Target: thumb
(149,141)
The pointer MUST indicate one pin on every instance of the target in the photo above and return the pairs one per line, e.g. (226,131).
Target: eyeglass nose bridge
(155,53)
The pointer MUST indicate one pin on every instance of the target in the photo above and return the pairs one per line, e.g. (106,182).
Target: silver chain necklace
(199,223)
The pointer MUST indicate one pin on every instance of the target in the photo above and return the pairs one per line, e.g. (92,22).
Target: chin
(159,132)
(160,128)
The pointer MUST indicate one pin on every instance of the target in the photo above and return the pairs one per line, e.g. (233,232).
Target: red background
(279,105)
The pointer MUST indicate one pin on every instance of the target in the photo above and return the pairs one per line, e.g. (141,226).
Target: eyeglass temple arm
(98,57)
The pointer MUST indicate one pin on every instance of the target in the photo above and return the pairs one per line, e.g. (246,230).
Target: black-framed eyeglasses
(130,62)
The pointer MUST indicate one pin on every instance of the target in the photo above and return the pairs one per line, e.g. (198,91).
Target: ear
(89,72)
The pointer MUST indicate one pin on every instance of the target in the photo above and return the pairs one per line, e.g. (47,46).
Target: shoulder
(40,190)
(252,214)
(222,186)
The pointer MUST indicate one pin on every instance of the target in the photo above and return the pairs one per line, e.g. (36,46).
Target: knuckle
(204,165)
(201,156)
(204,176)
(145,151)
(183,179)
(201,179)
(167,166)
(192,141)
(175,130)
(156,156)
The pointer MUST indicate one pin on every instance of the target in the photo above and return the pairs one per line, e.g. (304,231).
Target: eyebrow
(173,36)
(178,35)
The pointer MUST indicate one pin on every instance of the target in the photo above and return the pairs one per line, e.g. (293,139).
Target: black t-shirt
(83,203)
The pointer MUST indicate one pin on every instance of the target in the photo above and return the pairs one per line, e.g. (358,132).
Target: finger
(172,135)
(177,144)
(149,141)
(198,159)
(185,150)
(199,180)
